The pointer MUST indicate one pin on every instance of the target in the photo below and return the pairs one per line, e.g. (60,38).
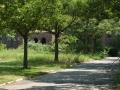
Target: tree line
(86,20)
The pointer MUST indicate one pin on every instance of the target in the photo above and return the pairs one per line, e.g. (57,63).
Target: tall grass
(40,61)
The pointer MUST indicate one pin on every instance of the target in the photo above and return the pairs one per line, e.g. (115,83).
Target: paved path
(92,75)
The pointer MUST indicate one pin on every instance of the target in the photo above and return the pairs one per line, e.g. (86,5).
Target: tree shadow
(87,76)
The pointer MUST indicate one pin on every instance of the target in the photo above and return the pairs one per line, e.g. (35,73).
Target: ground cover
(40,63)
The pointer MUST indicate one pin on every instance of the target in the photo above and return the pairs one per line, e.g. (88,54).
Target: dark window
(43,40)
(36,40)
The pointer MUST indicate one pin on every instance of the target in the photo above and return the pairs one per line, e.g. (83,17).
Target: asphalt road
(92,75)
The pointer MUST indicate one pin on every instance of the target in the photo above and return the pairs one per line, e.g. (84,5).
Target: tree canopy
(86,18)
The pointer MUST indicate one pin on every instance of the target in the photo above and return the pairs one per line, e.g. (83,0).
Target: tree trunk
(25,61)
(94,45)
(56,41)
(84,46)
(56,48)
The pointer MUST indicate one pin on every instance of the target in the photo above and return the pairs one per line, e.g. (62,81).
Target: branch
(74,18)
(20,33)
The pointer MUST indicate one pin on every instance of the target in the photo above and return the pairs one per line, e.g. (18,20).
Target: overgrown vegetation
(82,21)
(41,61)
(2,46)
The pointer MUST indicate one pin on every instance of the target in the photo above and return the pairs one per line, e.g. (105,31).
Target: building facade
(43,37)
(46,37)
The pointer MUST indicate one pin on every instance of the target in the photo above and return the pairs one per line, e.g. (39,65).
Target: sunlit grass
(11,63)
(39,63)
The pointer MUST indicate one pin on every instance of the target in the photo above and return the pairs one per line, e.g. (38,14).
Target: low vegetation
(41,61)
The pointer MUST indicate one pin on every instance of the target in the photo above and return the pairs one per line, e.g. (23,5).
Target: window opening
(36,40)
(43,40)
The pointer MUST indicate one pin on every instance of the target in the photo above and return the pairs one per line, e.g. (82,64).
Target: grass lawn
(11,65)
(11,62)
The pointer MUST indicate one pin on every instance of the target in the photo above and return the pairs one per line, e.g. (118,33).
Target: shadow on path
(87,76)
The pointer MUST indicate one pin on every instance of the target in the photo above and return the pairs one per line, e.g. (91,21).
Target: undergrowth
(40,61)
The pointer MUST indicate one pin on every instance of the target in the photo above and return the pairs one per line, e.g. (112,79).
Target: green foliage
(2,46)
(83,57)
(38,47)
(103,54)
(64,66)
(113,52)
(99,55)
(110,50)
(81,21)
(41,60)
(76,59)
(87,35)
(109,26)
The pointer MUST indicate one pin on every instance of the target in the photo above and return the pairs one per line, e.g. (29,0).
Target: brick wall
(18,40)
(12,42)
(49,37)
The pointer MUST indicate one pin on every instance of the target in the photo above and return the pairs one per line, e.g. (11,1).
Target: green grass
(11,63)
(39,64)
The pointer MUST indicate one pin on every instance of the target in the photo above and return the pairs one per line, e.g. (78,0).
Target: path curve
(92,75)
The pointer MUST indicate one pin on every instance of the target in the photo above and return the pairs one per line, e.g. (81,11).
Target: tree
(86,27)
(110,26)
(61,15)
(1,17)
(22,17)
(95,10)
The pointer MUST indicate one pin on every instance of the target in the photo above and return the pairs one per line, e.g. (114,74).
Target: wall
(18,40)
(12,42)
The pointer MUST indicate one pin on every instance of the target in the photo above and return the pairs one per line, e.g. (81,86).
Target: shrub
(80,58)
(2,46)
(38,47)
(76,59)
(113,52)
(104,53)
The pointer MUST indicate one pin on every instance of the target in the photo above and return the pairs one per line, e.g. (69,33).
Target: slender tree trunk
(56,48)
(84,45)
(94,45)
(56,41)
(25,61)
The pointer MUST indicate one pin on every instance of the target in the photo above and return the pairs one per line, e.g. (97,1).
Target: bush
(76,59)
(38,47)
(104,53)
(2,46)
(113,52)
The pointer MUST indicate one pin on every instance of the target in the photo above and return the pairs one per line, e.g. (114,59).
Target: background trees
(80,18)
(88,28)
(61,16)
(22,17)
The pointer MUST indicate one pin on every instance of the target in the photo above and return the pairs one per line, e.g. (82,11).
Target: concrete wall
(49,37)
(12,42)
(18,40)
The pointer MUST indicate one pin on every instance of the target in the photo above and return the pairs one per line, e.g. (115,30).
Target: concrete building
(11,42)
(46,37)
(43,37)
